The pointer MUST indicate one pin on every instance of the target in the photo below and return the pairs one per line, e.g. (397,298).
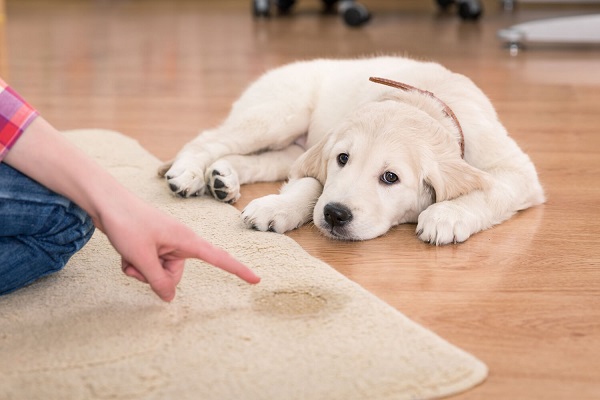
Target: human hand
(154,247)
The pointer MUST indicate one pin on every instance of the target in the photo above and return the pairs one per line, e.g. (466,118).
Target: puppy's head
(384,165)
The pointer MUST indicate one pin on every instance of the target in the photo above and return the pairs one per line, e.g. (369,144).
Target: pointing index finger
(223,260)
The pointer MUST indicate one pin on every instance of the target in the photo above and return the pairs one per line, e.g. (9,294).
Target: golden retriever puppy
(416,144)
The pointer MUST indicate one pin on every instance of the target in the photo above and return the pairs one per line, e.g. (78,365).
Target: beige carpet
(305,332)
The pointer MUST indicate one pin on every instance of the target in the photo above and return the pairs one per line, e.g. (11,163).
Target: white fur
(328,108)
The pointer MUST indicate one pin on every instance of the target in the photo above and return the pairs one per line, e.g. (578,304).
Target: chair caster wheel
(354,14)
(469,10)
(444,4)
(284,6)
(261,8)
(329,6)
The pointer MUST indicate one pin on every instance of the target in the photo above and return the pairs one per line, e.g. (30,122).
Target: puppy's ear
(162,170)
(313,162)
(454,178)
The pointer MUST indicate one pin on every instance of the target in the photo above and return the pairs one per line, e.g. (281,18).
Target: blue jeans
(39,230)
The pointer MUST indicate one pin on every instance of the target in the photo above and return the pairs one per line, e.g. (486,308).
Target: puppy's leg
(454,221)
(290,209)
(270,126)
(185,174)
(270,115)
(225,175)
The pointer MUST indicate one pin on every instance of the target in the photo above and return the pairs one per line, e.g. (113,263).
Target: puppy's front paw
(186,179)
(274,213)
(222,182)
(444,223)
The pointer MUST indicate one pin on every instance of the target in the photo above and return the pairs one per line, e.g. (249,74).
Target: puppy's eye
(389,177)
(342,159)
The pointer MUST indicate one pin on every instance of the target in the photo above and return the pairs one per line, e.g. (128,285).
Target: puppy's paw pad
(186,184)
(223,182)
(445,223)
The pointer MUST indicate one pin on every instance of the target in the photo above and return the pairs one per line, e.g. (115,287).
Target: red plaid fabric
(15,117)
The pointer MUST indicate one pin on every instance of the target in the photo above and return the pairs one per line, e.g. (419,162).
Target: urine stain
(291,303)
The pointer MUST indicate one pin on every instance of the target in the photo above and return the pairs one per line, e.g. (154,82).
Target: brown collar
(447,110)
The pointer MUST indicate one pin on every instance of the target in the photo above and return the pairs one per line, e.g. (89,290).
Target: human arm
(153,245)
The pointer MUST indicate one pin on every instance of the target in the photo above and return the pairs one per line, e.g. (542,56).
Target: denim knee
(26,258)
(39,230)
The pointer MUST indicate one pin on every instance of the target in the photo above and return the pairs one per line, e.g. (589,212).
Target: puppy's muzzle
(337,215)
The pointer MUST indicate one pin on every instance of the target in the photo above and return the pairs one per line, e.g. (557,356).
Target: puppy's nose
(337,214)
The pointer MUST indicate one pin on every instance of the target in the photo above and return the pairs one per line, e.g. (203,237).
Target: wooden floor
(524,297)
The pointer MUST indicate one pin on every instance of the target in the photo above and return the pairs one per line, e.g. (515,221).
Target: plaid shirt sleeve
(15,117)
